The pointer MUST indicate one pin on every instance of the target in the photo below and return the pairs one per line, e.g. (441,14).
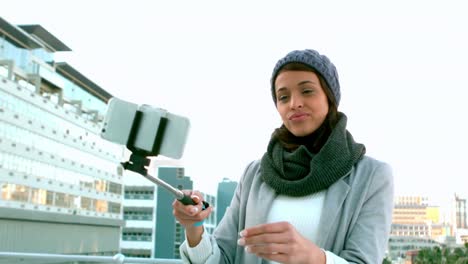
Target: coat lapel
(259,204)
(336,194)
(258,207)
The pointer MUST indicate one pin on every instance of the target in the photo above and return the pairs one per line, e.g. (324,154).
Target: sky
(402,68)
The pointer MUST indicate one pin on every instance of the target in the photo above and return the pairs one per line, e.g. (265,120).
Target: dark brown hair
(317,139)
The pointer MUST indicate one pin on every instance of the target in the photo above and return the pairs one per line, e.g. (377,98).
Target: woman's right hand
(188,215)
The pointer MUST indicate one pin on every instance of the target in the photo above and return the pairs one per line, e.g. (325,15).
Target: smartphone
(148,130)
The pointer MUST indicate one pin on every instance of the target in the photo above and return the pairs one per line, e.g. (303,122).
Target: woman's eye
(307,91)
(282,98)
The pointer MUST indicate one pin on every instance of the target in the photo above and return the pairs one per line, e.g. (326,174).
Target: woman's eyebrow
(281,89)
(306,81)
(299,83)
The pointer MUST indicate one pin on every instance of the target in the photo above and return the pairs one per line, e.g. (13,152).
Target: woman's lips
(298,116)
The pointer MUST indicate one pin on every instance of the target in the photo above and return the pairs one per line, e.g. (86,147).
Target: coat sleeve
(223,242)
(367,238)
(227,231)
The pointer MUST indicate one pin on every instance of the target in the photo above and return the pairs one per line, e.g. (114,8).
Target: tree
(427,256)
(443,255)
(387,261)
(463,260)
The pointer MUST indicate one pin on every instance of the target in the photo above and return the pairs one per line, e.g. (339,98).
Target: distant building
(210,222)
(169,233)
(139,213)
(460,212)
(60,190)
(463,236)
(413,216)
(415,225)
(226,190)
(399,245)
(460,221)
(411,200)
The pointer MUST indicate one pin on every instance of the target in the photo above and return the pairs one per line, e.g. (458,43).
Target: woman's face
(301,101)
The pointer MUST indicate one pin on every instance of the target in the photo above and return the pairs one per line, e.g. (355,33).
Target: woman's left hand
(280,242)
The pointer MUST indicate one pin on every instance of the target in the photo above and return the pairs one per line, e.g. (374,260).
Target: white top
(291,209)
(284,208)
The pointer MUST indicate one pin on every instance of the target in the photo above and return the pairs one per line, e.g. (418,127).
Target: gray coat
(355,222)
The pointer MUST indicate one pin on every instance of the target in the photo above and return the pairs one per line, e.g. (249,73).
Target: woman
(314,197)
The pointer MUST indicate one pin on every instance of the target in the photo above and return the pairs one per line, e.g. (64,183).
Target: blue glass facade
(169,233)
(226,190)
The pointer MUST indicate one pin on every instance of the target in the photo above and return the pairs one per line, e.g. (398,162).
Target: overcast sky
(402,66)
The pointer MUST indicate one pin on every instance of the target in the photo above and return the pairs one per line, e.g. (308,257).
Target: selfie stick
(138,164)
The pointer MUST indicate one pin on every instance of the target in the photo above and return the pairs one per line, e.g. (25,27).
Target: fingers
(196,196)
(190,214)
(196,199)
(267,238)
(196,214)
(299,252)
(280,242)
(277,227)
(276,257)
(191,220)
(269,249)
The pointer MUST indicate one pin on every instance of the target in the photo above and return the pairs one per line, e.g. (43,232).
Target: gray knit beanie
(316,61)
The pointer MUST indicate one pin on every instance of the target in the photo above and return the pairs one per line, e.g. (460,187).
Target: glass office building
(226,190)
(58,178)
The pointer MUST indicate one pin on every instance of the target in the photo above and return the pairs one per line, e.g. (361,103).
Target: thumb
(195,198)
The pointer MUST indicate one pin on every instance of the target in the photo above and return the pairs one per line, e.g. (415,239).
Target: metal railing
(39,258)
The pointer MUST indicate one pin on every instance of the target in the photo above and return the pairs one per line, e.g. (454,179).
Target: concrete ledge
(39,216)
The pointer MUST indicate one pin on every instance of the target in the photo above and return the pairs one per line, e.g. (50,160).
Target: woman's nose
(296,102)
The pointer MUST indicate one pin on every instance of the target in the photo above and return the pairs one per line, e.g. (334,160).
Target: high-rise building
(169,233)
(460,212)
(226,189)
(58,178)
(459,219)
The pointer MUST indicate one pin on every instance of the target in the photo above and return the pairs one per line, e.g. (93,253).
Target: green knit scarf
(301,173)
